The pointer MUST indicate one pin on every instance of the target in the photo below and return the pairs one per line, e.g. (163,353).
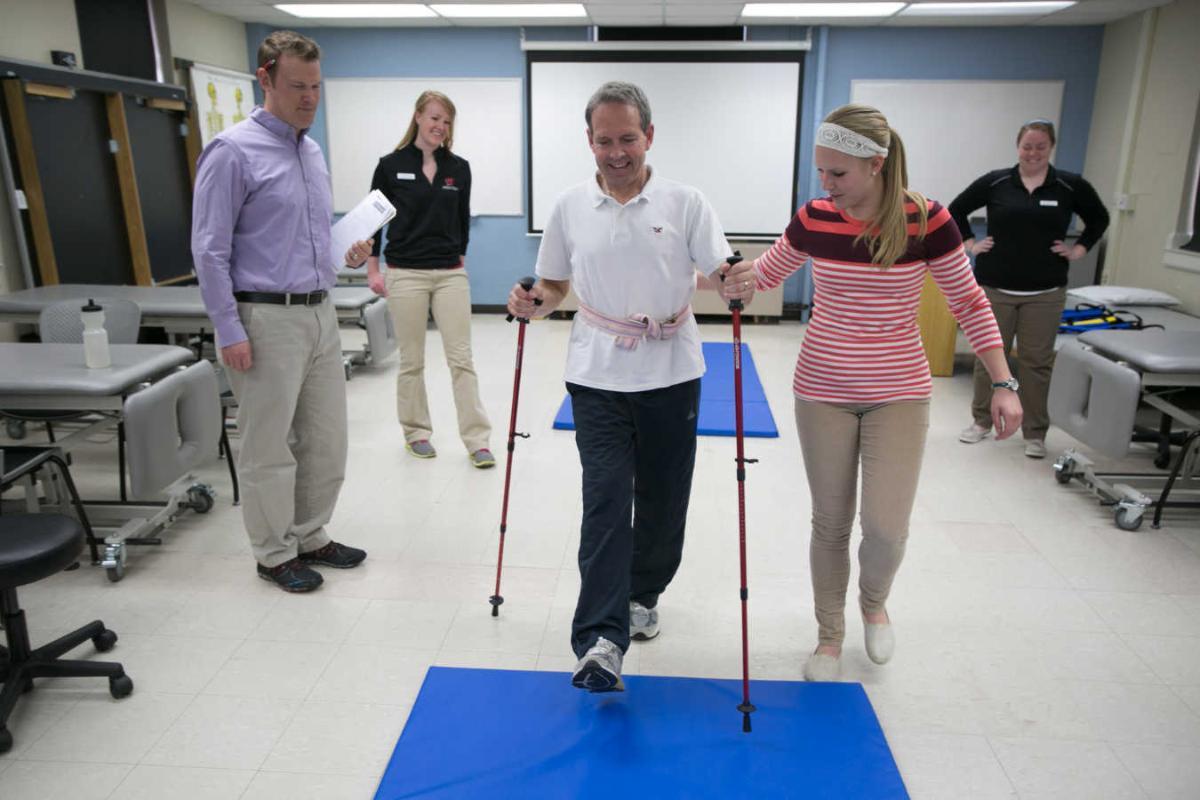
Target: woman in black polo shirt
(426,268)
(1022,266)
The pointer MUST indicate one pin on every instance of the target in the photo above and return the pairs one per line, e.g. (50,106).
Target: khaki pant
(292,419)
(411,293)
(888,441)
(1033,320)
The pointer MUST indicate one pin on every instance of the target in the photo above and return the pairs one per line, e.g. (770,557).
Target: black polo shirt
(1025,224)
(433,220)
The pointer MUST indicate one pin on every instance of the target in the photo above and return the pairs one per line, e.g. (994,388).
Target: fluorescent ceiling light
(358,10)
(984,9)
(509,10)
(820,10)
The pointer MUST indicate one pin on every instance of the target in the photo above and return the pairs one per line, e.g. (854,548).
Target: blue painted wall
(501,251)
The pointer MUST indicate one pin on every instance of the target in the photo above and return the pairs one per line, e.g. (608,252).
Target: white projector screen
(365,118)
(727,127)
(956,130)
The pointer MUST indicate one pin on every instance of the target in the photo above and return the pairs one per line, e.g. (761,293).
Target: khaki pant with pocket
(292,420)
(1033,321)
(411,294)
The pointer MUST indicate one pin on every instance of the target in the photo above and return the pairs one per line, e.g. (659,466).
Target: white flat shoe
(880,641)
(822,668)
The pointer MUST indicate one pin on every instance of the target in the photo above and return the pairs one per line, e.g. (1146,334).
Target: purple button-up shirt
(261,215)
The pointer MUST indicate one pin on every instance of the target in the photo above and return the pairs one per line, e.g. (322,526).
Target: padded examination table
(1098,383)
(180,310)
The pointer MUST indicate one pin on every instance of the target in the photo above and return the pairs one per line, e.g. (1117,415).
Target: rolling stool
(33,547)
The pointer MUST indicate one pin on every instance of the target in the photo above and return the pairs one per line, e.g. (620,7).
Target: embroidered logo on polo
(448,183)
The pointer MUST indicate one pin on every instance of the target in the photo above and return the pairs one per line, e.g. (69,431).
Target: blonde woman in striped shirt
(862,382)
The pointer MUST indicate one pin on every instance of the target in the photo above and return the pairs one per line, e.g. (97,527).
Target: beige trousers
(1033,320)
(292,419)
(888,442)
(411,293)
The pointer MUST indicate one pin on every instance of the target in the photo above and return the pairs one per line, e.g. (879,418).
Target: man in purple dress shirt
(261,243)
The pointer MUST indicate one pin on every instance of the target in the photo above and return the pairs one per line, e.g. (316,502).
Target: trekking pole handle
(733,259)
(526,284)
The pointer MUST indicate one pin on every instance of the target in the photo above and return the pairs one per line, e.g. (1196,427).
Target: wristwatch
(1011,383)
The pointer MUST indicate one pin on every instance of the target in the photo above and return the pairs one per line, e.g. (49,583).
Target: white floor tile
(338,738)
(1054,769)
(60,780)
(99,729)
(271,669)
(1176,659)
(360,673)
(318,618)
(307,786)
(1164,772)
(416,624)
(223,732)
(940,766)
(183,783)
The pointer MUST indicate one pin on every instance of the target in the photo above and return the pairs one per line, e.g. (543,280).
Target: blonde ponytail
(886,235)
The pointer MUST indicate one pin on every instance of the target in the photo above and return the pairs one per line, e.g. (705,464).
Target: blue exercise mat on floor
(478,733)
(716,397)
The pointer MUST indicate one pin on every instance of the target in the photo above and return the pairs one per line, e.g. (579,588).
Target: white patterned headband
(847,141)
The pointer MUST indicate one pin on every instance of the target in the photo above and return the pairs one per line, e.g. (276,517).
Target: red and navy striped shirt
(862,345)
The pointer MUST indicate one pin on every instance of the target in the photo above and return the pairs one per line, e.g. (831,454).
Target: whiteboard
(366,117)
(727,128)
(223,98)
(955,131)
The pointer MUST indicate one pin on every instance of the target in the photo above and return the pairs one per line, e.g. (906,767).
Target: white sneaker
(974,434)
(1035,448)
(823,668)
(643,622)
(600,668)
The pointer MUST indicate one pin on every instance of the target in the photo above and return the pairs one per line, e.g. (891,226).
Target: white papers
(362,223)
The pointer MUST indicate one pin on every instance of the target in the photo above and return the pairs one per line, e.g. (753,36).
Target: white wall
(32,28)
(1157,146)
(1115,100)
(200,35)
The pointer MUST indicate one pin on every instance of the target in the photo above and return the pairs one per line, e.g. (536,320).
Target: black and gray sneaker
(600,668)
(291,576)
(336,555)
(643,622)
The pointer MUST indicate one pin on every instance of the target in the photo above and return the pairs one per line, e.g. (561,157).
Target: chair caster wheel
(105,640)
(121,686)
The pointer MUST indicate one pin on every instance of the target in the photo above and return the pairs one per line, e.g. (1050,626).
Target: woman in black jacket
(1022,265)
(426,268)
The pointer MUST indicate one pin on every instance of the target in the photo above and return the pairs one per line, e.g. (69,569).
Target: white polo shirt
(636,258)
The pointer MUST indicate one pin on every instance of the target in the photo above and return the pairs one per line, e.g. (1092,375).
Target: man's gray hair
(620,92)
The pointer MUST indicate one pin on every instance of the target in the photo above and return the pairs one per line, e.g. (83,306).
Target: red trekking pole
(735,308)
(497,598)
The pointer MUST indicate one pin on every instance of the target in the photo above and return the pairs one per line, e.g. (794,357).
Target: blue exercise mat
(478,733)
(716,397)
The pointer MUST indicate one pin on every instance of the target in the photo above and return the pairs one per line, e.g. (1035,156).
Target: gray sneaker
(421,448)
(643,622)
(1035,448)
(600,668)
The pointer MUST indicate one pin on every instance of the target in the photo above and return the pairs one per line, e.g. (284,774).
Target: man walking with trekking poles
(629,241)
